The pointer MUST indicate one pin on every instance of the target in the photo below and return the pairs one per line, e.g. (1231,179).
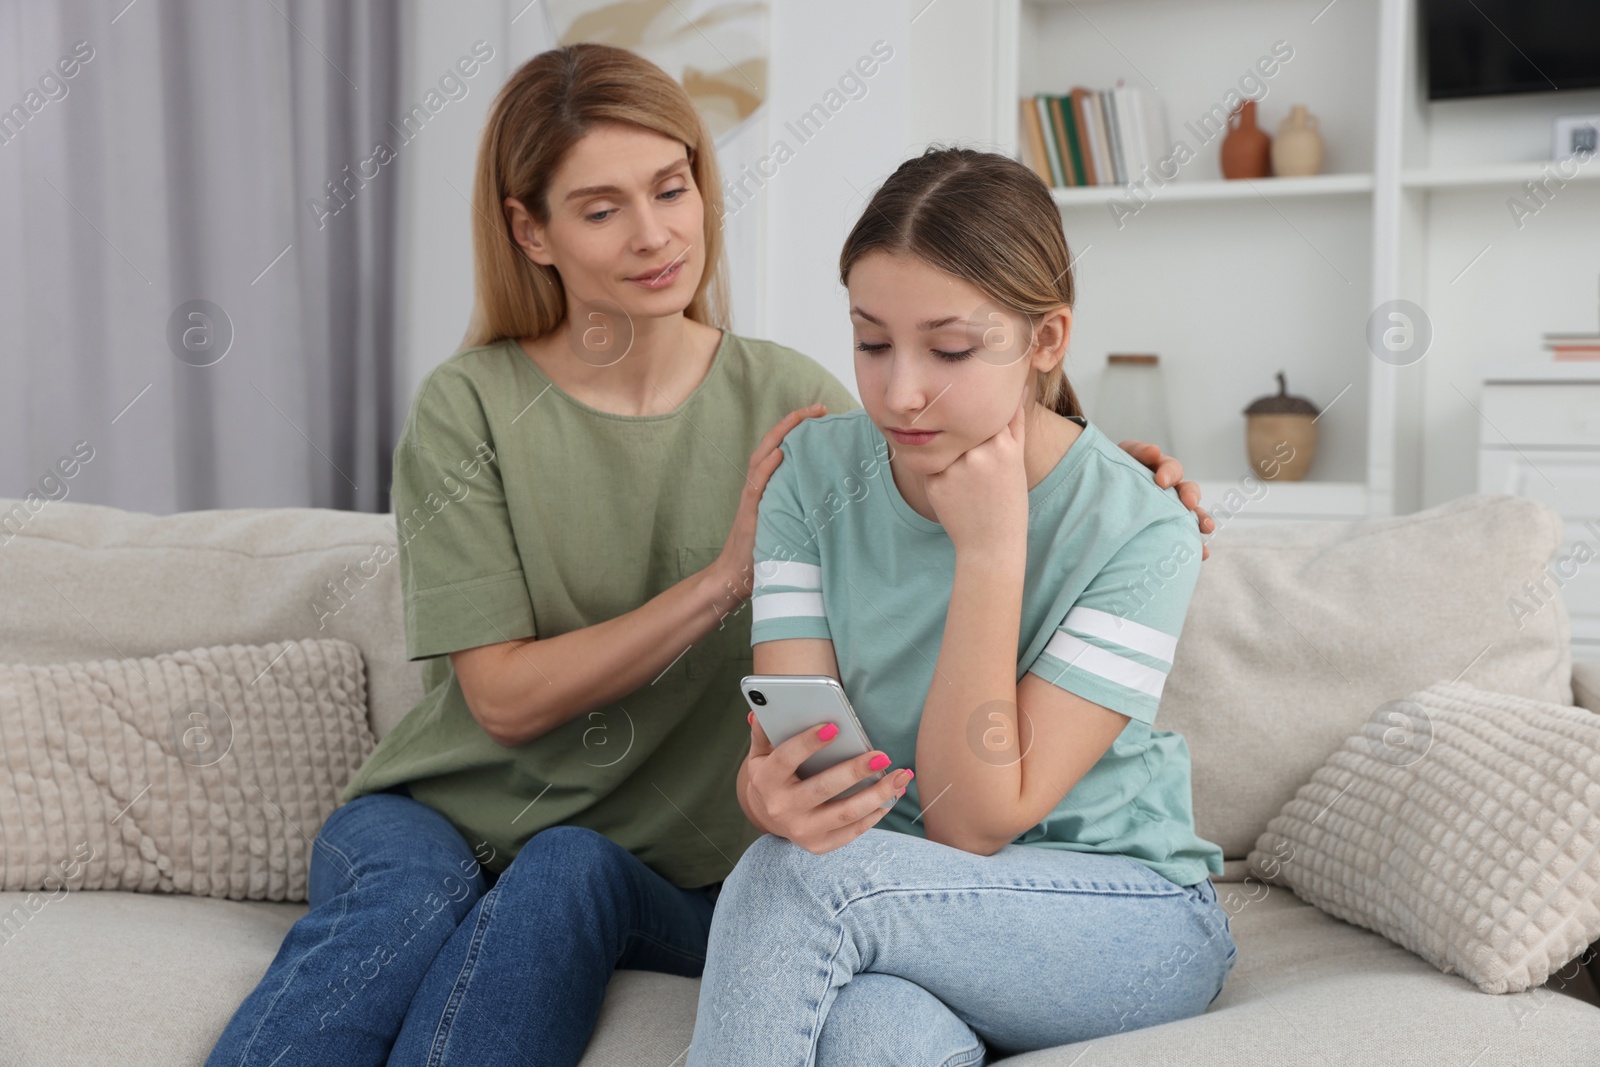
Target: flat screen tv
(1490,47)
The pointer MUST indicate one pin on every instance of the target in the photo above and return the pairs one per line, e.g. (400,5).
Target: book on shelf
(1573,345)
(1071,160)
(1078,136)
(1093,136)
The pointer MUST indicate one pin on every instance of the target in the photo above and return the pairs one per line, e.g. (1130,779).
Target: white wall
(436,172)
(938,85)
(816,196)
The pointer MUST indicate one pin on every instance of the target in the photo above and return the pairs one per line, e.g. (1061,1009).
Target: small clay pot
(1281,435)
(1297,150)
(1246,151)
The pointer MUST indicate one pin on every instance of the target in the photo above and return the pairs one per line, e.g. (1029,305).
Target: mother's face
(626,225)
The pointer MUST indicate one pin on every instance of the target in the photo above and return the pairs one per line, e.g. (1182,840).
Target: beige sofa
(1296,634)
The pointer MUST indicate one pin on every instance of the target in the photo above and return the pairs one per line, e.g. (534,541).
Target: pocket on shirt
(729,640)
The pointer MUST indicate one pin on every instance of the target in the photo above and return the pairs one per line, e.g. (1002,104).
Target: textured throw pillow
(208,771)
(1461,825)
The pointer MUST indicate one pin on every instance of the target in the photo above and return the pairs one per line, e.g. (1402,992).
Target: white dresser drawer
(1569,482)
(1566,481)
(1540,438)
(1553,415)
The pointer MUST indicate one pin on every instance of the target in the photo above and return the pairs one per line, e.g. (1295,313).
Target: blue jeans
(413,953)
(898,950)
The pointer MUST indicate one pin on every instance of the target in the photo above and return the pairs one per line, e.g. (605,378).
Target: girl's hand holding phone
(780,802)
(981,499)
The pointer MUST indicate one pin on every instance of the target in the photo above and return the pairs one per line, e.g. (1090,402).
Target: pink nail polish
(879,762)
(828,732)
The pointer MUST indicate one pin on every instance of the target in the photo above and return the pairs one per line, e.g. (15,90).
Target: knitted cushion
(1460,824)
(208,771)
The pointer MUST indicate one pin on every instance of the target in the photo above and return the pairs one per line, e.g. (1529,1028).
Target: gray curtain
(197,252)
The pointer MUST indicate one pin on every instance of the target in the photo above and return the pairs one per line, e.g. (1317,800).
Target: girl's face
(940,367)
(627,225)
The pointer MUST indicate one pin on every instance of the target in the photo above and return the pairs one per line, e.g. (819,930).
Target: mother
(576,530)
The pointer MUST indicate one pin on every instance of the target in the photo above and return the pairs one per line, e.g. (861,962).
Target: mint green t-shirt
(523,512)
(1112,562)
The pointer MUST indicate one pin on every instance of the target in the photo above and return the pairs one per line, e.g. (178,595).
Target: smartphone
(788,704)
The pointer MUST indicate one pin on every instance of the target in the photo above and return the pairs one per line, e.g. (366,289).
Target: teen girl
(1000,590)
(576,520)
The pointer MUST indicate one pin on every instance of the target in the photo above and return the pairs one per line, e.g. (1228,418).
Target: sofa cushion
(1311,991)
(1460,825)
(129,978)
(1297,632)
(137,979)
(207,771)
(99,581)
(1586,684)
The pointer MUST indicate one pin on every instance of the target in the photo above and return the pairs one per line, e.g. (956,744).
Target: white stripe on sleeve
(1125,632)
(789,572)
(1079,653)
(785,606)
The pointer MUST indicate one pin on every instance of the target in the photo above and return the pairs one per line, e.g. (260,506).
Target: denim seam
(966,1057)
(817,1022)
(458,992)
(1114,890)
(344,910)
(343,860)
(1213,908)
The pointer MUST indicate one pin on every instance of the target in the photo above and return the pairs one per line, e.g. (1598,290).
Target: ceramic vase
(1246,151)
(1297,150)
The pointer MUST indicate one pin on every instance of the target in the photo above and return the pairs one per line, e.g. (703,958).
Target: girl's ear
(1050,338)
(527,232)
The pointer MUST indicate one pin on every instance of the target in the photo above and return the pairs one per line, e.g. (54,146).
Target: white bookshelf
(1269,188)
(1231,281)
(1240,505)
(1488,176)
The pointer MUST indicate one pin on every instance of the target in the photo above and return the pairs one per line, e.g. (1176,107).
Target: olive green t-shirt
(523,512)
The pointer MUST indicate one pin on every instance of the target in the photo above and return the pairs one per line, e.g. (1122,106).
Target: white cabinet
(1540,438)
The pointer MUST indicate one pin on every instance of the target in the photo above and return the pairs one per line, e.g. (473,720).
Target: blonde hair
(550,103)
(986,219)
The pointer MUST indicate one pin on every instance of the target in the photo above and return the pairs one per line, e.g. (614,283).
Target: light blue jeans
(898,950)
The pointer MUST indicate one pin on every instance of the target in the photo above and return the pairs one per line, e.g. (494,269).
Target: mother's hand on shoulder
(780,802)
(1169,471)
(737,560)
